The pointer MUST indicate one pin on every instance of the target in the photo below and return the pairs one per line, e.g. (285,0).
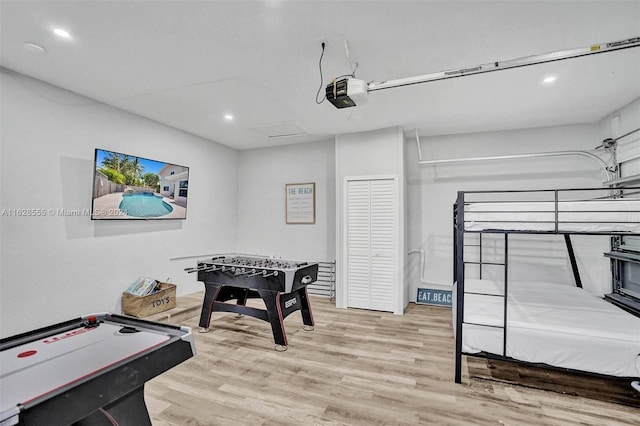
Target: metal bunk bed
(597,211)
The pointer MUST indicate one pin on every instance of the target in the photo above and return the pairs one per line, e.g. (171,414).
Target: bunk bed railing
(567,211)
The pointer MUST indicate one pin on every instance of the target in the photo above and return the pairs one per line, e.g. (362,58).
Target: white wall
(432,192)
(375,153)
(263,174)
(57,267)
(624,120)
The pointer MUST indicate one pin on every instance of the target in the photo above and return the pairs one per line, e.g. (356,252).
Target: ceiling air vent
(279,130)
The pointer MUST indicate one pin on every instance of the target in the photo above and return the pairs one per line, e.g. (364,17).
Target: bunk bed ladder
(459,276)
(505,265)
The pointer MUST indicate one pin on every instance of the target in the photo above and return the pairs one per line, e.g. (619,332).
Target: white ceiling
(188,63)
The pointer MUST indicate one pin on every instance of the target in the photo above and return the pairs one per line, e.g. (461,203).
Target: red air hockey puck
(91,322)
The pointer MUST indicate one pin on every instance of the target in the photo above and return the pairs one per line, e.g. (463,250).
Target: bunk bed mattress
(554,324)
(621,215)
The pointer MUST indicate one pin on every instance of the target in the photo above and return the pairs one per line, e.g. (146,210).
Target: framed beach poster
(300,202)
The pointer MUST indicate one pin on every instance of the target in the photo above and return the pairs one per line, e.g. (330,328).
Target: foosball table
(281,284)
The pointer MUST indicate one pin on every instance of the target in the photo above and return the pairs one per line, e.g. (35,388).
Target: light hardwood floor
(357,367)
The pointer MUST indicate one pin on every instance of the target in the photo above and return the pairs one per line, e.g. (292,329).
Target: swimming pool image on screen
(144,205)
(130,187)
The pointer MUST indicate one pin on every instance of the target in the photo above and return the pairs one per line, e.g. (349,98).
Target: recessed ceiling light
(228,117)
(34,48)
(61,33)
(550,79)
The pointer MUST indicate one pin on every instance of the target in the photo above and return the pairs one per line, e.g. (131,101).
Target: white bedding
(621,215)
(554,324)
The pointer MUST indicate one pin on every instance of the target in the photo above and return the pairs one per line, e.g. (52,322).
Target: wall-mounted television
(130,187)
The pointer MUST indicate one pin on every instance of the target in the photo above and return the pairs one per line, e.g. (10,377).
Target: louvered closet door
(383,225)
(371,241)
(358,243)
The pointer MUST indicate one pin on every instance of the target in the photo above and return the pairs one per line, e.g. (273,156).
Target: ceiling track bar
(587,154)
(504,65)
(594,157)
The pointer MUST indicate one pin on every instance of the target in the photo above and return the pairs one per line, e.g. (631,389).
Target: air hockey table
(87,371)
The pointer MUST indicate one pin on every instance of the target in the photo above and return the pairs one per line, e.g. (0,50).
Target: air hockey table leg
(130,410)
